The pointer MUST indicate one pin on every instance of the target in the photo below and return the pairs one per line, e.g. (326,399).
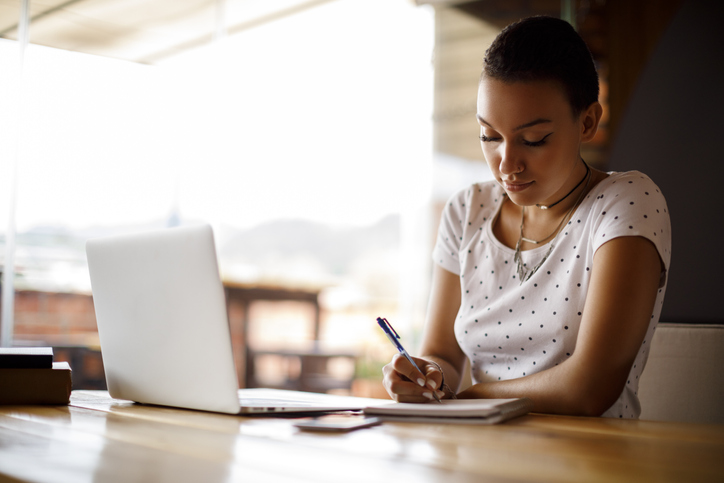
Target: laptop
(164,332)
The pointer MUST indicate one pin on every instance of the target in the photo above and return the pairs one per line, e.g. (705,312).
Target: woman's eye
(540,142)
(486,139)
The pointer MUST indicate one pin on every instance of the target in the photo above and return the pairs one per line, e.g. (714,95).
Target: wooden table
(100,439)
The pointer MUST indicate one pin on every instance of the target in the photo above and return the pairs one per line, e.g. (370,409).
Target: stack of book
(28,375)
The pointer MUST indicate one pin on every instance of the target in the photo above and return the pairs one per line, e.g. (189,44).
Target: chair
(683,380)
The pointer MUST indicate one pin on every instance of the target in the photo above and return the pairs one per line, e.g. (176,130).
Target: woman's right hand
(404,383)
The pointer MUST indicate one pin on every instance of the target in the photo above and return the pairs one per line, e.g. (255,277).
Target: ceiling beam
(40,15)
(447,3)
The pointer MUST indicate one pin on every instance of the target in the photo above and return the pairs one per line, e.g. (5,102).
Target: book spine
(514,409)
(36,386)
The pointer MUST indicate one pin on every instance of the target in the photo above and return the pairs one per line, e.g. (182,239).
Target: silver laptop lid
(162,319)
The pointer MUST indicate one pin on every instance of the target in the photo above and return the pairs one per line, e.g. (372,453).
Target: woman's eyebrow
(532,123)
(522,126)
(483,121)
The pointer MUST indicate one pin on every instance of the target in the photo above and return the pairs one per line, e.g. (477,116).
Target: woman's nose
(510,163)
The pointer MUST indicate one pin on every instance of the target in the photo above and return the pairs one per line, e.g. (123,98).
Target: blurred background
(319,138)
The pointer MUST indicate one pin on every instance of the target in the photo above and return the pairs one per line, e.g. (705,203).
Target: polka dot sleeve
(450,233)
(632,205)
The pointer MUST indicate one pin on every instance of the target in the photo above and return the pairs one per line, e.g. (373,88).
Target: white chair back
(683,379)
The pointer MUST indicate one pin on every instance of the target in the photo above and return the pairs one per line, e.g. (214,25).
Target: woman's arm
(620,301)
(401,379)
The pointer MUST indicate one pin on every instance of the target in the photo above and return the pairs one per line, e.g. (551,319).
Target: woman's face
(530,139)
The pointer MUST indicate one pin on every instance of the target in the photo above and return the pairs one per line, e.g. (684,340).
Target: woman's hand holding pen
(404,383)
(410,379)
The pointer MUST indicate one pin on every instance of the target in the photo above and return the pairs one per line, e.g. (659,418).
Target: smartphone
(337,423)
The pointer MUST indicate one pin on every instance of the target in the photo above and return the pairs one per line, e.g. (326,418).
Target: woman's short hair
(544,48)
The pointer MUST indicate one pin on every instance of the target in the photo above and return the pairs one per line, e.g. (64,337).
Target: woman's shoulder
(629,182)
(629,187)
(630,204)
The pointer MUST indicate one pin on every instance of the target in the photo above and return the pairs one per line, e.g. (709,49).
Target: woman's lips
(516,187)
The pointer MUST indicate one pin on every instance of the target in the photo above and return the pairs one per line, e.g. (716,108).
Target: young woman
(549,280)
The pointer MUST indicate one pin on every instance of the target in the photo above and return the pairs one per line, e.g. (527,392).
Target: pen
(394,336)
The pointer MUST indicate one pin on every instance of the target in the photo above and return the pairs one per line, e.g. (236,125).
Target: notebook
(462,411)
(164,332)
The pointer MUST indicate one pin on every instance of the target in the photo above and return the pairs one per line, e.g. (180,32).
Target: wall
(672,132)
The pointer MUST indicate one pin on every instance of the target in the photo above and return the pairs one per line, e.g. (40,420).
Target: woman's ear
(589,121)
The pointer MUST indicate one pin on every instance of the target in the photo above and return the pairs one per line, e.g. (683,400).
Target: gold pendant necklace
(525,274)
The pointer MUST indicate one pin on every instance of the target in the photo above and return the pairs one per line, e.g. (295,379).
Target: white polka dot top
(508,329)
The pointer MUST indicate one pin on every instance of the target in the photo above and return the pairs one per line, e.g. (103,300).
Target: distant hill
(335,248)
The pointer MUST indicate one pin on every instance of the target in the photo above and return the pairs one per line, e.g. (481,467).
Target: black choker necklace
(544,207)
